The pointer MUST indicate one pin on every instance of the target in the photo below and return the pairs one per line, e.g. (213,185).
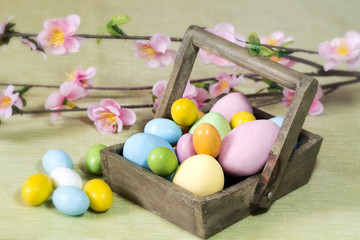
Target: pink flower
(278,38)
(58,35)
(226,31)
(68,91)
(7,100)
(224,83)
(3,25)
(316,107)
(109,117)
(155,53)
(197,95)
(339,50)
(33,47)
(83,77)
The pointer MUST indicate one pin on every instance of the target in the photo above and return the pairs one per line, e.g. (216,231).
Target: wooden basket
(285,169)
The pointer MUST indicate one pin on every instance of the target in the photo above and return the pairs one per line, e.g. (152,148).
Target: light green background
(326,208)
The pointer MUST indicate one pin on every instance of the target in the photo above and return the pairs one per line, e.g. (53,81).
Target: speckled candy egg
(185,147)
(231,104)
(200,174)
(215,119)
(138,147)
(164,128)
(246,148)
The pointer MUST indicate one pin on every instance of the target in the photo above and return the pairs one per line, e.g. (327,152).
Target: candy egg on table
(240,118)
(70,200)
(164,128)
(246,148)
(200,174)
(36,189)
(99,194)
(184,112)
(63,176)
(162,161)
(92,158)
(55,158)
(215,119)
(138,146)
(185,147)
(207,140)
(230,104)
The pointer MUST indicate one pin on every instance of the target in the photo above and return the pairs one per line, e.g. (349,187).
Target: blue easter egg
(164,128)
(138,147)
(279,121)
(70,200)
(55,158)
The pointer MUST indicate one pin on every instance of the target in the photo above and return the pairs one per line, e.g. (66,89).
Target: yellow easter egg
(184,112)
(36,189)
(100,195)
(240,118)
(200,174)
(207,140)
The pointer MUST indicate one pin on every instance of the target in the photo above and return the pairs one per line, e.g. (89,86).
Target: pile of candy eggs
(65,186)
(226,141)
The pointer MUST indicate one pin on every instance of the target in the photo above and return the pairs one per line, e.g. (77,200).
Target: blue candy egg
(70,200)
(138,147)
(164,128)
(279,121)
(55,158)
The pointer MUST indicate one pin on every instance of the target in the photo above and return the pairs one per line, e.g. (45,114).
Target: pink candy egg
(246,148)
(185,148)
(231,104)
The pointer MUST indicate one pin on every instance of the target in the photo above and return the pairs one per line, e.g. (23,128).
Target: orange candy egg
(207,140)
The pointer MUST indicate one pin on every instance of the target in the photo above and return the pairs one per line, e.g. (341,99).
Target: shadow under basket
(286,169)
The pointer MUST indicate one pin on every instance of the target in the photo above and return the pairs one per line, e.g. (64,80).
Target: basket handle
(305,89)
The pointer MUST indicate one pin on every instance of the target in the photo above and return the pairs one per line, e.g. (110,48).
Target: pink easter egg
(246,148)
(230,104)
(185,148)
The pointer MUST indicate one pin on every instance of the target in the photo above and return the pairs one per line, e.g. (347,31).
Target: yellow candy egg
(207,140)
(100,195)
(36,189)
(240,118)
(200,174)
(184,112)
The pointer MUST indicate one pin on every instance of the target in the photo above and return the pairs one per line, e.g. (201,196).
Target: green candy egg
(215,119)
(162,161)
(92,159)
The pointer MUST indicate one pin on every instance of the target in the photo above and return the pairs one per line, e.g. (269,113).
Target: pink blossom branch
(127,37)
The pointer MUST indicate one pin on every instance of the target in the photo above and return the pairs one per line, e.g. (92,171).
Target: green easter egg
(215,119)
(92,159)
(162,161)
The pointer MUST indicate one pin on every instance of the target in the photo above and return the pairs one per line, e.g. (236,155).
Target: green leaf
(254,38)
(286,43)
(101,32)
(284,53)
(266,52)
(16,109)
(120,19)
